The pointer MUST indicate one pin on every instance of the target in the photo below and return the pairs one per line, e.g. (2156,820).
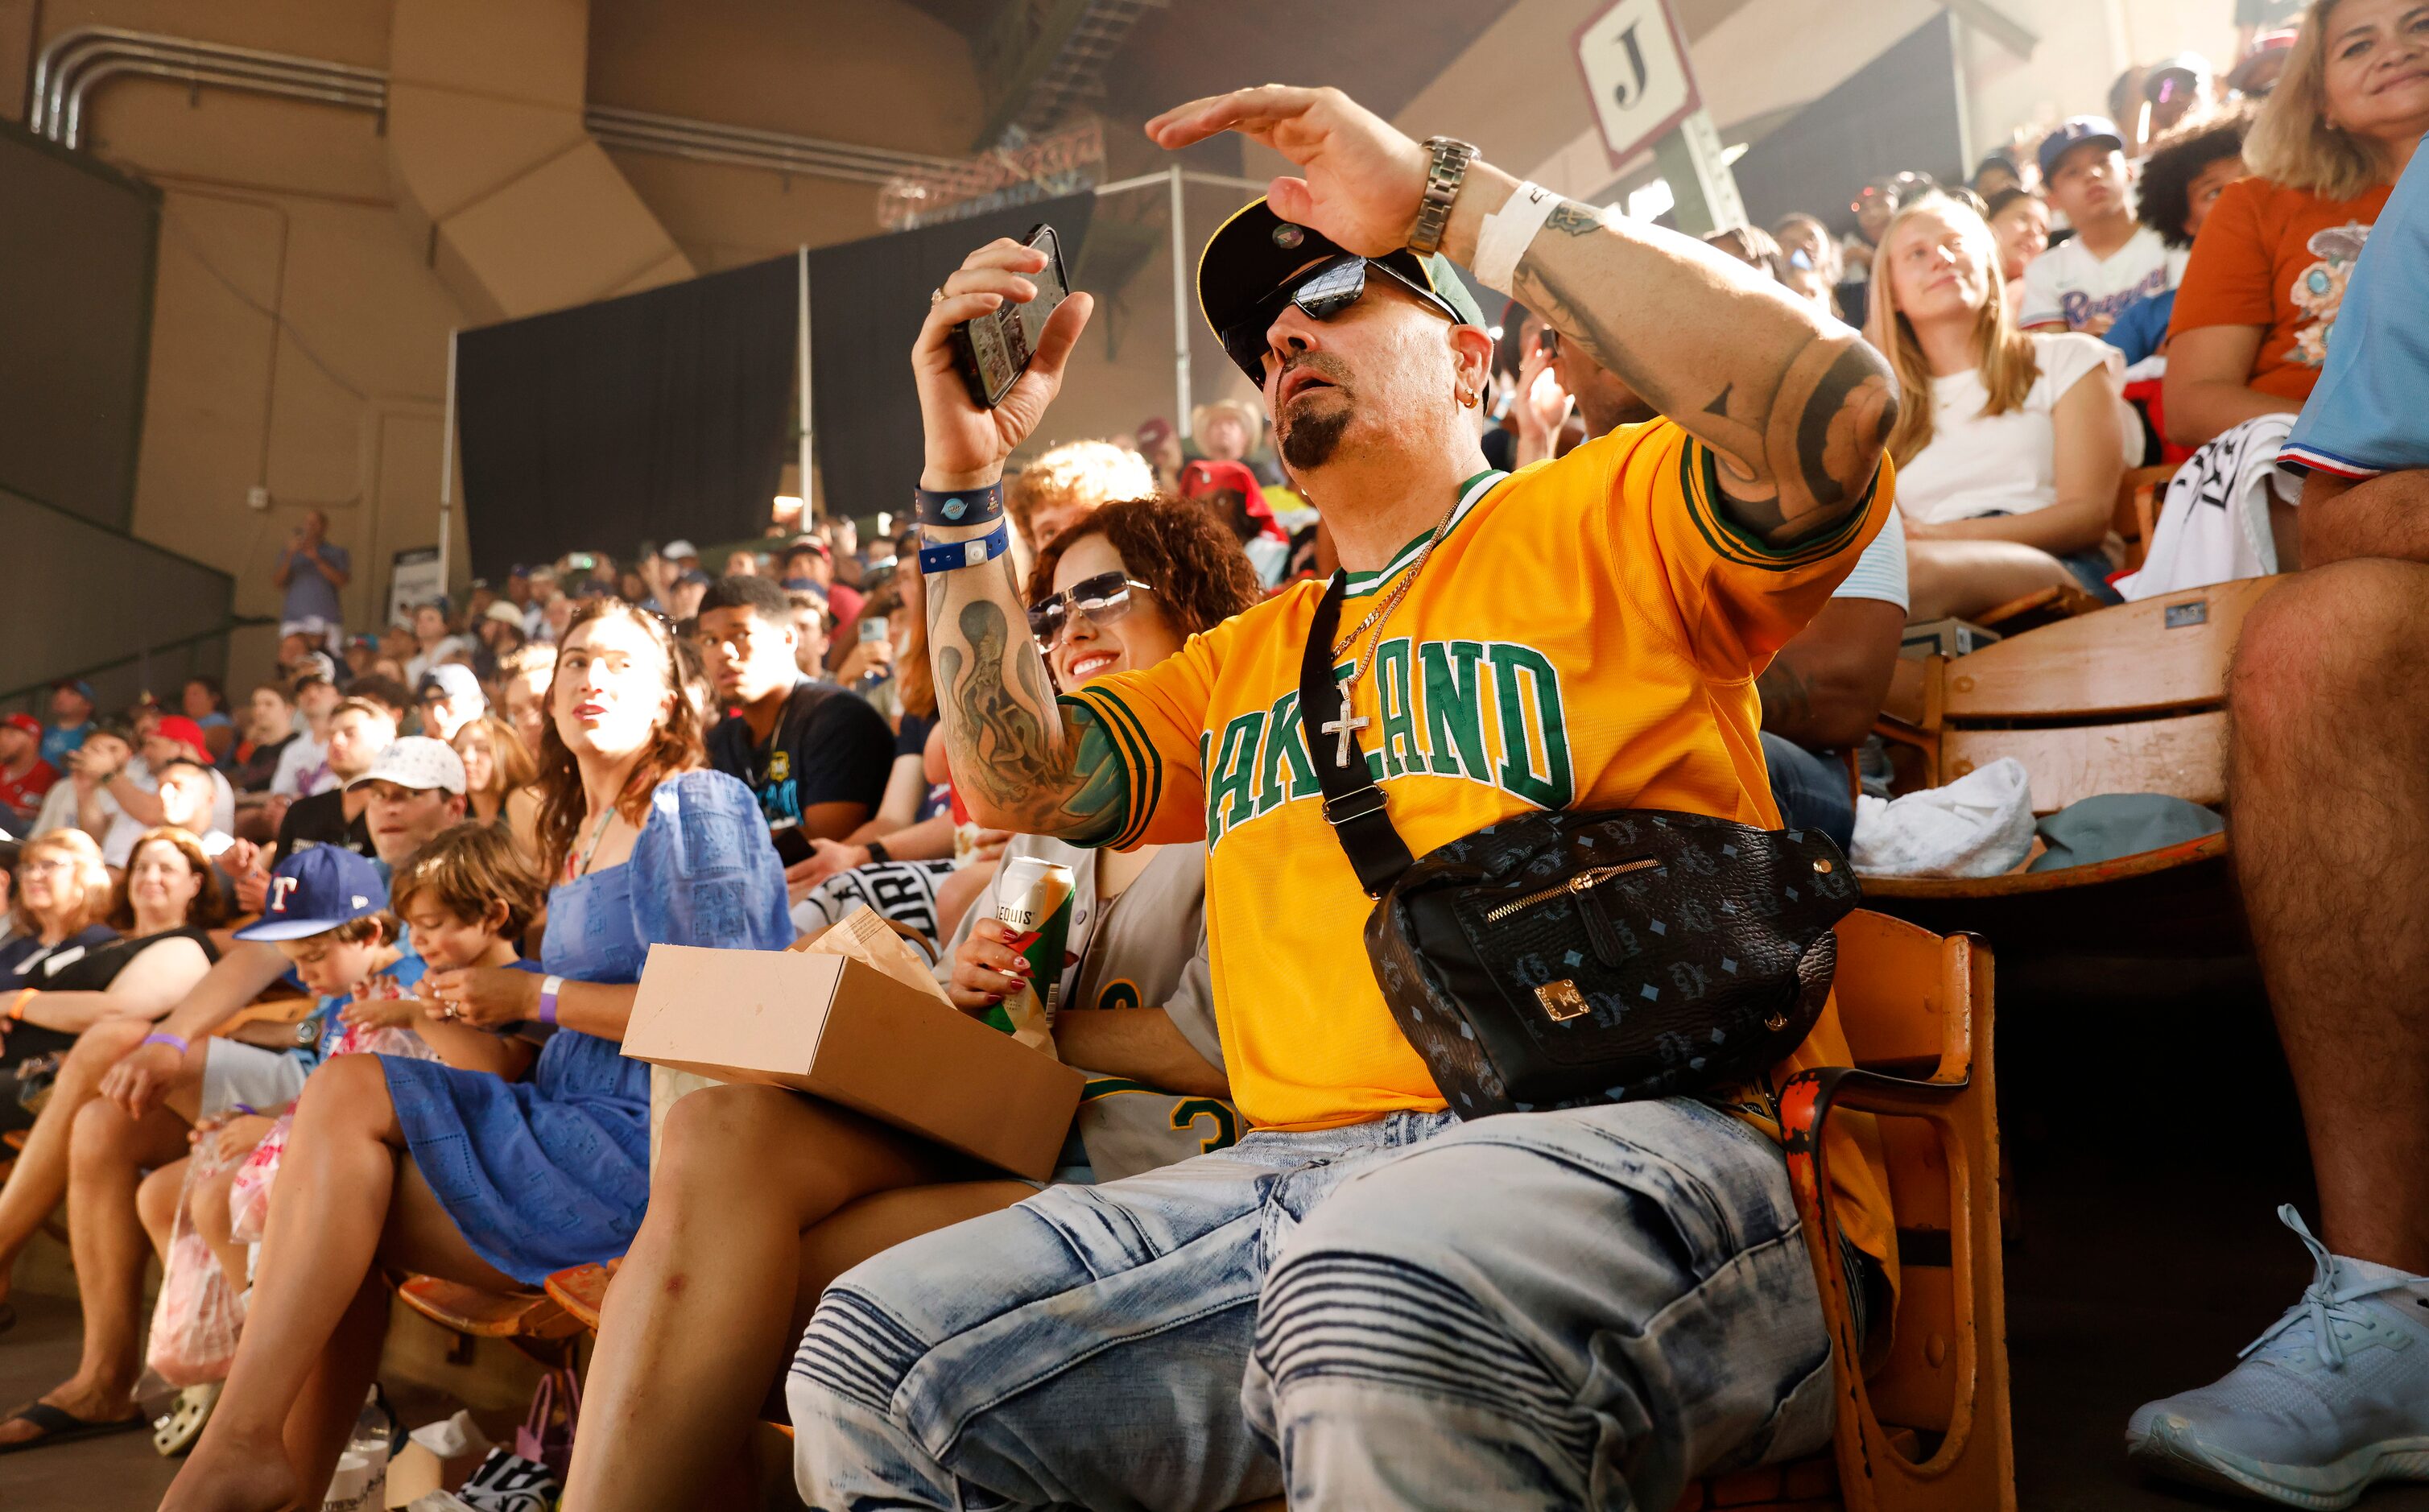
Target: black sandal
(61,1426)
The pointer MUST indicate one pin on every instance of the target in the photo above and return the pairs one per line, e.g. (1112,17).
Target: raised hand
(967,442)
(1363,178)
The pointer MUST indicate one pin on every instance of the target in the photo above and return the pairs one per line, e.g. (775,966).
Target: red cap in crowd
(23,722)
(1205,477)
(185,732)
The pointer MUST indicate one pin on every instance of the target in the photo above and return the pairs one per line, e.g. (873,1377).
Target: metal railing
(76,62)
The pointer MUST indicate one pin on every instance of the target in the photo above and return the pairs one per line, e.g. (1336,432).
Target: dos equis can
(1035,904)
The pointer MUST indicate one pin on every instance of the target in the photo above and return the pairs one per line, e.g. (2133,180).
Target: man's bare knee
(102,1139)
(2322,655)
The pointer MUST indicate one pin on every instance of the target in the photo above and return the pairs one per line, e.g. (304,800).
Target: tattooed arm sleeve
(1022,762)
(1795,406)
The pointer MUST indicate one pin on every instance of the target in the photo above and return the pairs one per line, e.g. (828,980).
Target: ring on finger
(936,296)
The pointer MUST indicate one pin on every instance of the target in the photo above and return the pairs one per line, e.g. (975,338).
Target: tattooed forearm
(1796,407)
(1025,761)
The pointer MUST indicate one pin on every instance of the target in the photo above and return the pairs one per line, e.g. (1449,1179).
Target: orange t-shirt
(2276,257)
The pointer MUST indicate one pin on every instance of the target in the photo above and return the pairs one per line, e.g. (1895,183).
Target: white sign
(415,577)
(1635,63)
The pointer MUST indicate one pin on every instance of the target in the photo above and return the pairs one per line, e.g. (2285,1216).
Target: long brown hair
(1176,547)
(2006,359)
(511,765)
(675,747)
(209,909)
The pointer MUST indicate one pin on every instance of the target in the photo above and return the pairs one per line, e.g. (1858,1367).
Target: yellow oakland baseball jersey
(1587,634)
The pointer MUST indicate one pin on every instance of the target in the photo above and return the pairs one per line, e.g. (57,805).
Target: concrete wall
(300,318)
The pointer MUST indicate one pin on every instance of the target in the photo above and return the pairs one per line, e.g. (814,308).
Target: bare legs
(700,1319)
(2328,787)
(108,1153)
(1968,577)
(347,1196)
(40,1176)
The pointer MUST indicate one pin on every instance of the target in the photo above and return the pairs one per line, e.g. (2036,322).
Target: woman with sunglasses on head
(748,1216)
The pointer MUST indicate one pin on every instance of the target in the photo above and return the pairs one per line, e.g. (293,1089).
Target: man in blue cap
(2112,260)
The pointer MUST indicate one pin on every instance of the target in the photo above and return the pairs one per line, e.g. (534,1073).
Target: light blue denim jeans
(1583,1308)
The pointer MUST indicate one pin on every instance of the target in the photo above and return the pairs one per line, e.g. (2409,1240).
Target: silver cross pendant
(1344,727)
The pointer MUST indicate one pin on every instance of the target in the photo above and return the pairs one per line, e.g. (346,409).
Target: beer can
(1034,902)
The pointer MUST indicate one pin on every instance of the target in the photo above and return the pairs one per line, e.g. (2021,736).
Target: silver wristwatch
(1448,170)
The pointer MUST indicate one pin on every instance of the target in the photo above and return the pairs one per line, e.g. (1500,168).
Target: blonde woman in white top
(2008,476)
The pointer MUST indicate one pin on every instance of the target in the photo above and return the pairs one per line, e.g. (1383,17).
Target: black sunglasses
(1320,292)
(1103,599)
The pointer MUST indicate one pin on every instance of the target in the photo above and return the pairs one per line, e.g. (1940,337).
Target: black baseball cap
(1251,255)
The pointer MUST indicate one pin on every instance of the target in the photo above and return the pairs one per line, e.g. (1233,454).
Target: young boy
(326,910)
(468,896)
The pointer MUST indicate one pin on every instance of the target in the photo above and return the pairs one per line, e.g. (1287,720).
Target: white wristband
(1506,234)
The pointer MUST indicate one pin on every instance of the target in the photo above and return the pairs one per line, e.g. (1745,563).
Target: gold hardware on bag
(1591,877)
(1776,1022)
(1824,866)
(1562,1000)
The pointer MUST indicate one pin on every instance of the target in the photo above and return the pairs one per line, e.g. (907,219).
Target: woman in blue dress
(415,1166)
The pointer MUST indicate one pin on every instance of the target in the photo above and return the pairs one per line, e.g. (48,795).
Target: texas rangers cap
(315,890)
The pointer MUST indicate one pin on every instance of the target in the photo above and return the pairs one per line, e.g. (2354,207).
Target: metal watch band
(1442,178)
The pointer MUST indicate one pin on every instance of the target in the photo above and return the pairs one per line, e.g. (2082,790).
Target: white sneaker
(2333,1397)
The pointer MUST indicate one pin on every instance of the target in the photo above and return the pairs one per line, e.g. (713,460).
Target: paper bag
(877,943)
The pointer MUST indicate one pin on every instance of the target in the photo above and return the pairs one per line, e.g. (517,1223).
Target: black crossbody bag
(1570,957)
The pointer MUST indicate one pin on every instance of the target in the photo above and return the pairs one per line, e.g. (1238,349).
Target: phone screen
(792,846)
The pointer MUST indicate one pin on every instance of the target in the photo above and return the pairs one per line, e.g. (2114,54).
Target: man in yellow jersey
(1367,1301)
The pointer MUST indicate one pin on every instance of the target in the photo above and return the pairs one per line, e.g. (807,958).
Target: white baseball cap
(416,761)
(675,551)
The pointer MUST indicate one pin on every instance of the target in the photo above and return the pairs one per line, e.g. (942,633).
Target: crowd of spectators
(458,833)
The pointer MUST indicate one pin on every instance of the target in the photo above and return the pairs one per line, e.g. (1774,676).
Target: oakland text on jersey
(1487,712)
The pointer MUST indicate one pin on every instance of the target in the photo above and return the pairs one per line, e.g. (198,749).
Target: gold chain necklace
(1347,726)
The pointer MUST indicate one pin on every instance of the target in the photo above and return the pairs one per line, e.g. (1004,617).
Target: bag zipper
(1591,876)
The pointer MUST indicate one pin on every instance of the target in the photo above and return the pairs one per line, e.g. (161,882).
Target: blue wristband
(962,554)
(959,506)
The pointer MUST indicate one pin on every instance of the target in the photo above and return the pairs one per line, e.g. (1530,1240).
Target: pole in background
(1180,311)
(802,359)
(447,467)
(1701,186)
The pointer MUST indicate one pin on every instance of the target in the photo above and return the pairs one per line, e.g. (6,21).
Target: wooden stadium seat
(2132,699)
(2046,606)
(2138,492)
(581,1291)
(1926,1430)
(528,1319)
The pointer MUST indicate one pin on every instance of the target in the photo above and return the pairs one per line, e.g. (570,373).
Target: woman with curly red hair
(747,1217)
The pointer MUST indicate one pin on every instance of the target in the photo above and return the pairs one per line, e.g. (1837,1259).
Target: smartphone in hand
(995,349)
